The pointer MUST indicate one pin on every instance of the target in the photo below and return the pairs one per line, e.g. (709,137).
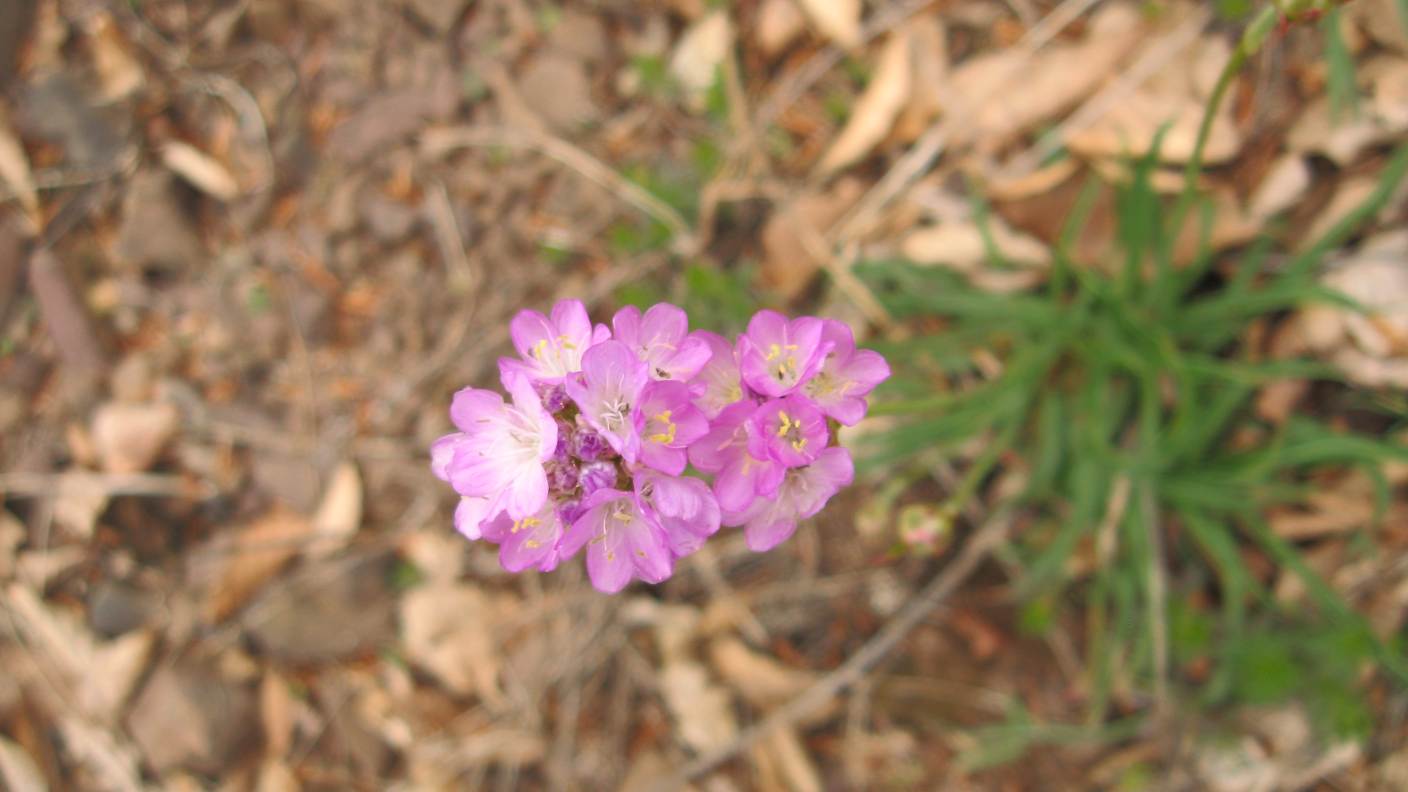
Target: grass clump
(1125,392)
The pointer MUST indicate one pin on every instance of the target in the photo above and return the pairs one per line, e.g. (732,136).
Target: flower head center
(784,365)
(790,430)
(614,412)
(666,435)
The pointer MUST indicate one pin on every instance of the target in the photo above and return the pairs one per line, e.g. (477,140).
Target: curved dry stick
(991,534)
(438,142)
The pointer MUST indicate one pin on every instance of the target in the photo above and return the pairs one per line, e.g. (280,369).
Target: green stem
(1252,39)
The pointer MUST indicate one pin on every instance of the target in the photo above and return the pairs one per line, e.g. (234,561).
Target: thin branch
(438,142)
(854,669)
(151,485)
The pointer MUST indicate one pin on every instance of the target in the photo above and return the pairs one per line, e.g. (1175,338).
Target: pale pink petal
(469,406)
(469,514)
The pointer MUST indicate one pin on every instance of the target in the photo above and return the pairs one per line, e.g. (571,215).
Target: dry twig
(438,142)
(989,536)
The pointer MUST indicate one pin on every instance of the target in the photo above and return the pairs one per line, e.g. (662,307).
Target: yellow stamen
(782,427)
(532,544)
(526,522)
(799,444)
(774,350)
(668,436)
(565,342)
(540,349)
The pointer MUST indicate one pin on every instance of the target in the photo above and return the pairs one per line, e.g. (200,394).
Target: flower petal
(609,563)
(470,513)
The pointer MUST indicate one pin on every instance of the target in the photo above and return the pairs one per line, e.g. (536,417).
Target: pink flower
(789,430)
(469,513)
(593,449)
(529,542)
(500,449)
(661,338)
(776,355)
(684,507)
(719,383)
(768,522)
(607,392)
(667,423)
(622,542)
(552,347)
(741,476)
(847,374)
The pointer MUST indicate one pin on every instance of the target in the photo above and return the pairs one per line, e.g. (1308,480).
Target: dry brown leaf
(1377,18)
(57,637)
(188,715)
(783,763)
(793,237)
(1284,185)
(112,672)
(1381,119)
(1346,507)
(675,628)
(1371,348)
(12,535)
(875,111)
(1175,97)
(702,712)
(1009,92)
(37,567)
(79,499)
(1349,195)
(236,565)
(128,438)
(506,746)
(1037,182)
(647,771)
(275,714)
(119,72)
(959,244)
(699,54)
(928,50)
(339,514)
(97,748)
(15,173)
(275,776)
(1276,401)
(438,554)
(838,20)
(448,631)
(100,674)
(200,170)
(778,24)
(762,681)
(18,770)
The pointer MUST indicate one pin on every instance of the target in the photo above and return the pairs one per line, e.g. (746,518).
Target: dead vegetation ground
(249,248)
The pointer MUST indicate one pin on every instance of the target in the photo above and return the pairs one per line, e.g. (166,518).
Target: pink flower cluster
(592,450)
